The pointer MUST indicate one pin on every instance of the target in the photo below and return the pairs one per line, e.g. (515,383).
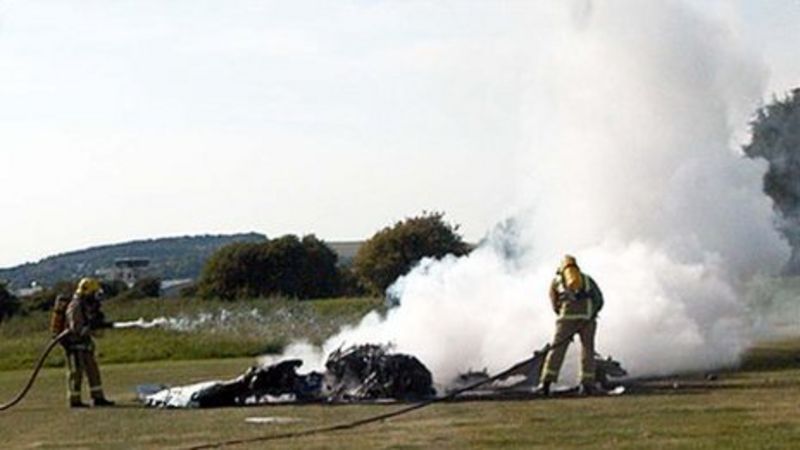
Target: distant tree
(113,288)
(148,287)
(232,272)
(9,304)
(394,250)
(319,275)
(776,138)
(43,300)
(349,285)
(285,266)
(189,291)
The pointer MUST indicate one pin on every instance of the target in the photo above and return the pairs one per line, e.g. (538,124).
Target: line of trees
(307,268)
(289,266)
(42,300)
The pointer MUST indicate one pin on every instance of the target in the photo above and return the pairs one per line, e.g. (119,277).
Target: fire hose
(377,418)
(35,373)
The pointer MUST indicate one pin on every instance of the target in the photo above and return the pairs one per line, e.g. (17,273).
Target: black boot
(78,404)
(543,389)
(102,401)
(586,388)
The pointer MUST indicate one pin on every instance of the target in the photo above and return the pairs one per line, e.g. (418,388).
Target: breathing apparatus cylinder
(58,315)
(571,274)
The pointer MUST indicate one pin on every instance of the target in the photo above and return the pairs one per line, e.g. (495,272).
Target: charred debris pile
(362,373)
(358,374)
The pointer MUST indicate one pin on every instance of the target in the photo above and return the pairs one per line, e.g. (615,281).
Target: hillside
(175,257)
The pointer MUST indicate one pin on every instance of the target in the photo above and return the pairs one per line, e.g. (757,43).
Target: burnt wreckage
(369,372)
(526,377)
(358,374)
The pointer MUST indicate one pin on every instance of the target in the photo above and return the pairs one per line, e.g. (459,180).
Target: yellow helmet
(88,287)
(571,273)
(568,261)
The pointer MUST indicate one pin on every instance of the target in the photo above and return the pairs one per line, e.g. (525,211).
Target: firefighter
(576,300)
(83,315)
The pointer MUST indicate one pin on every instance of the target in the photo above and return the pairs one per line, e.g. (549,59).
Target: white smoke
(631,110)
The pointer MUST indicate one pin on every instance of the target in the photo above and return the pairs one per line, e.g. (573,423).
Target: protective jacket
(78,322)
(583,304)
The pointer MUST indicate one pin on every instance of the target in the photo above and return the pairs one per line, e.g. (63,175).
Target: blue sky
(123,120)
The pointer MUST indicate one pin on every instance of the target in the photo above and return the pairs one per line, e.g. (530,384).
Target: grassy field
(755,407)
(210,329)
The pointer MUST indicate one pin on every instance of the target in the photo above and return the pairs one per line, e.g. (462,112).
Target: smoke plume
(629,112)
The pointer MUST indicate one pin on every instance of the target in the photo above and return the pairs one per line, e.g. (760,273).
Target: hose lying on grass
(35,373)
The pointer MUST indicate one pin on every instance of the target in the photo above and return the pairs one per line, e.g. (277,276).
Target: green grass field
(755,407)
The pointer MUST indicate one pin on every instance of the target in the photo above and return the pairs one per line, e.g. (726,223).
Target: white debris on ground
(176,397)
(272,420)
(194,396)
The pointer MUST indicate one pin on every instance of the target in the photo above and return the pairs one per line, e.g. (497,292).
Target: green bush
(393,251)
(113,288)
(9,305)
(286,266)
(231,272)
(148,287)
(349,285)
(189,291)
(43,300)
(776,138)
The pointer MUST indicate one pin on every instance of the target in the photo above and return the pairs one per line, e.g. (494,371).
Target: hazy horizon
(110,244)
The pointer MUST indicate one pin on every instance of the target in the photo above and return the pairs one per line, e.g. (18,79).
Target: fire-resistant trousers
(78,363)
(565,329)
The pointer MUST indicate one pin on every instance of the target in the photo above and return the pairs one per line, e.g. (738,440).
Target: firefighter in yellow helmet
(576,299)
(83,315)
